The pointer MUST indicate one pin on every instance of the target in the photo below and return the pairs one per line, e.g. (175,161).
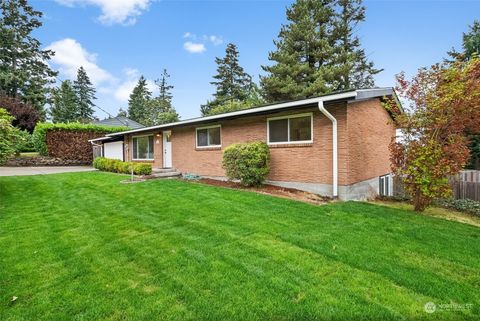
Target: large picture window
(143,147)
(290,129)
(209,136)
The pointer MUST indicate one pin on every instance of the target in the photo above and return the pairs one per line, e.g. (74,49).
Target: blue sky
(118,40)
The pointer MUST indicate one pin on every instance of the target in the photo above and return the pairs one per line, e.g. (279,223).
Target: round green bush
(247,162)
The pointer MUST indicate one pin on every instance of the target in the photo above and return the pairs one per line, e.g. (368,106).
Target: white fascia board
(346,95)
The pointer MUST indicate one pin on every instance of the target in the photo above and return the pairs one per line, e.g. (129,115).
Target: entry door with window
(167,149)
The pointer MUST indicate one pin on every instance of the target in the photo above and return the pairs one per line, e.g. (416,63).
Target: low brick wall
(21,161)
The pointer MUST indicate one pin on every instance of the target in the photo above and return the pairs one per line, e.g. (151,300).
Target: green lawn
(82,246)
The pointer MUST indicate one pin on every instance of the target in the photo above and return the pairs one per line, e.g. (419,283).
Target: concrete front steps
(165,172)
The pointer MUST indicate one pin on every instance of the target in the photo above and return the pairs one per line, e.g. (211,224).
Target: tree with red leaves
(25,115)
(443,110)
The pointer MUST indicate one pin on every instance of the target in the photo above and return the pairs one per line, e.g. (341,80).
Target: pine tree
(138,104)
(471,41)
(122,113)
(64,104)
(470,44)
(317,52)
(354,70)
(232,83)
(253,99)
(161,109)
(85,93)
(303,58)
(24,71)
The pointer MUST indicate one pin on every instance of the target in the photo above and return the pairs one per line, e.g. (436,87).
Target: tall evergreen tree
(85,93)
(471,41)
(316,52)
(122,113)
(353,68)
(64,104)
(161,109)
(232,83)
(470,44)
(303,58)
(24,71)
(138,104)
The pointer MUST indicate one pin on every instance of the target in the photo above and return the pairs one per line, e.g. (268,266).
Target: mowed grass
(83,246)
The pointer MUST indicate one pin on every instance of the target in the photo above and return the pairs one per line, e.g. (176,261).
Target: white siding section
(113,150)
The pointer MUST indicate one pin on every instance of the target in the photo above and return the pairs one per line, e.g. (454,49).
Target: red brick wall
(297,163)
(370,130)
(364,133)
(157,148)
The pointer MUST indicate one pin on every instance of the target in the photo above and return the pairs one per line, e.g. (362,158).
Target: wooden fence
(466,184)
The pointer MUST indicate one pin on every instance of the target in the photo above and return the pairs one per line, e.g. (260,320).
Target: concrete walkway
(21,171)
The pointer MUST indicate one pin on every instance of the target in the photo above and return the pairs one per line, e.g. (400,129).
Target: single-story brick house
(334,145)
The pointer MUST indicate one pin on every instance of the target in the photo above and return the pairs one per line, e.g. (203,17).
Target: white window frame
(143,159)
(208,137)
(288,129)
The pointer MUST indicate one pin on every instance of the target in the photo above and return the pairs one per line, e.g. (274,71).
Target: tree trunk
(420,201)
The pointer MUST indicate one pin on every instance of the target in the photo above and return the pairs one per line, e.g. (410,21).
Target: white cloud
(114,11)
(70,55)
(198,44)
(123,91)
(215,40)
(193,47)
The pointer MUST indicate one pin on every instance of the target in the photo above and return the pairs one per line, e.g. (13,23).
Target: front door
(167,149)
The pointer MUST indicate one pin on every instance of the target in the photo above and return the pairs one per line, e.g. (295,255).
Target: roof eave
(278,106)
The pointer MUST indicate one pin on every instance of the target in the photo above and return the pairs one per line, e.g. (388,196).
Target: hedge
(41,130)
(247,162)
(117,166)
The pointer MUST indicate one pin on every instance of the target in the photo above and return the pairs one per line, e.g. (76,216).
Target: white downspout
(334,143)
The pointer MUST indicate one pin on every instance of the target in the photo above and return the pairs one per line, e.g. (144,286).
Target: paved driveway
(20,171)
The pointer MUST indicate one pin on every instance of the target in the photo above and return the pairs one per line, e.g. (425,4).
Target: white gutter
(335,146)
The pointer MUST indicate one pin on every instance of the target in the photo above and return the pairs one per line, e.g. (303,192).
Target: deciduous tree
(25,115)
(444,104)
(9,136)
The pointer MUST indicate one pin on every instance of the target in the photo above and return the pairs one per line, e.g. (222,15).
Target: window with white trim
(385,185)
(290,129)
(143,147)
(209,136)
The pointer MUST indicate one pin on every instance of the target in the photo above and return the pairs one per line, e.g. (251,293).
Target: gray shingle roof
(119,121)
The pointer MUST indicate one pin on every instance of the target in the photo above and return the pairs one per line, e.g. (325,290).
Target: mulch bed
(290,193)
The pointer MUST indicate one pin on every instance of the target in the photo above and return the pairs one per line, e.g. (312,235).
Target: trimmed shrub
(41,130)
(117,166)
(247,162)
(142,169)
